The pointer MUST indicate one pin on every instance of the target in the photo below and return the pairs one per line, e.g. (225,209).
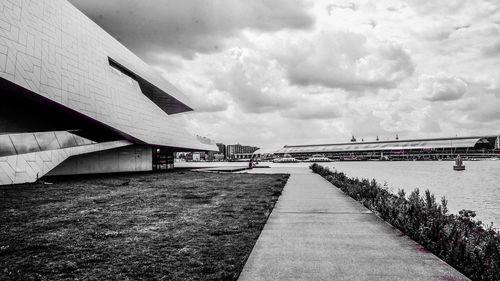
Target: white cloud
(253,81)
(346,60)
(441,87)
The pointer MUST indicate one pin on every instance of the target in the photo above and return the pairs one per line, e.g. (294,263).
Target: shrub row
(460,240)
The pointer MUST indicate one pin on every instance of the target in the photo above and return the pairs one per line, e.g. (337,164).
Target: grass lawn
(155,226)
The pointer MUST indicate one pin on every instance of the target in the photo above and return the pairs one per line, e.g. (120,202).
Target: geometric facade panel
(29,167)
(53,50)
(34,142)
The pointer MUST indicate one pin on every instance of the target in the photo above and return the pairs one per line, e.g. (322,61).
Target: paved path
(316,232)
(225,169)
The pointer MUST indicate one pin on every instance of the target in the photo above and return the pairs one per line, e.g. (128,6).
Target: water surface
(477,188)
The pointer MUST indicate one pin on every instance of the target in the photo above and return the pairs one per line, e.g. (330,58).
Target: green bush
(460,240)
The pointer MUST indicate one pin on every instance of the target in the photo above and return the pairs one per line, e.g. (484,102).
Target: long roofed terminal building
(414,149)
(76,101)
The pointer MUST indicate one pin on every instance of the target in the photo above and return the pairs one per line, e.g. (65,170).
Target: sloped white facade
(56,59)
(52,49)
(29,167)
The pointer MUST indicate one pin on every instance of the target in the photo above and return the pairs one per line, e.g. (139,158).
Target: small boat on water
(459,165)
(285,159)
(319,158)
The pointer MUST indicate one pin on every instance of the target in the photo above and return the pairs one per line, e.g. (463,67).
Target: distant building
(265,153)
(238,151)
(414,149)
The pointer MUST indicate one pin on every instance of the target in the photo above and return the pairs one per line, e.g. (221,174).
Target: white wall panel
(126,159)
(29,167)
(52,49)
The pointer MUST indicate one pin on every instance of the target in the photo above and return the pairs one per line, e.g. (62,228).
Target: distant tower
(397,137)
(353,139)
(377,138)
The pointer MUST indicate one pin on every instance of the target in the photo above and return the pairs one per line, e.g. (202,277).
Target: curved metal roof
(267,150)
(387,145)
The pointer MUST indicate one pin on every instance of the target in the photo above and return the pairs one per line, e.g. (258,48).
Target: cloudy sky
(276,72)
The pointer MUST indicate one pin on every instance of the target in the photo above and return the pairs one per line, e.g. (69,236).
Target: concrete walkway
(225,169)
(316,232)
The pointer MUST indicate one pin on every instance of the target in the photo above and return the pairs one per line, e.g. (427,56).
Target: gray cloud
(317,107)
(324,113)
(435,7)
(347,5)
(430,124)
(485,109)
(187,27)
(251,83)
(344,60)
(366,125)
(393,9)
(442,87)
(493,49)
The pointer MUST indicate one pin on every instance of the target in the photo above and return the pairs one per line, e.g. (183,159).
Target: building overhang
(170,102)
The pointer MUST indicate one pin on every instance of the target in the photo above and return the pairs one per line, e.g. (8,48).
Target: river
(477,188)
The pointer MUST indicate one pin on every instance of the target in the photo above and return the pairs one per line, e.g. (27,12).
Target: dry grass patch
(169,226)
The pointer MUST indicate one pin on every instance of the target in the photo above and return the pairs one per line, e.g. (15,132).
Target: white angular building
(73,100)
